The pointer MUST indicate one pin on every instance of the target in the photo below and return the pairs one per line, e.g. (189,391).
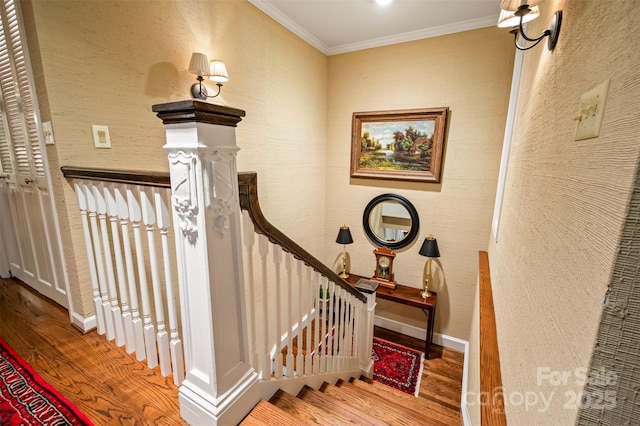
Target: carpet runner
(27,399)
(397,366)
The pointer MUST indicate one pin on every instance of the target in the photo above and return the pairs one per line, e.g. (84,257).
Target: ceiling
(339,26)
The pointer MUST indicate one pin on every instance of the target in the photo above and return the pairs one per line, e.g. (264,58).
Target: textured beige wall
(564,205)
(107,62)
(468,72)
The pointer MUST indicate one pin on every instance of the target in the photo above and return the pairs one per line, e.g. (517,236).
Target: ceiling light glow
(383,2)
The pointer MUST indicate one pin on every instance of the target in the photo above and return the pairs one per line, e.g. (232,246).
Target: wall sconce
(517,12)
(344,237)
(430,250)
(201,67)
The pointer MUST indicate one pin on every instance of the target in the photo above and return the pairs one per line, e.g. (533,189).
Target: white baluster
(343,330)
(133,199)
(115,205)
(309,309)
(116,312)
(289,308)
(349,337)
(149,219)
(249,241)
(324,304)
(277,261)
(357,308)
(352,322)
(337,326)
(317,325)
(80,188)
(265,366)
(330,327)
(112,298)
(97,247)
(177,356)
(299,331)
(132,323)
(354,364)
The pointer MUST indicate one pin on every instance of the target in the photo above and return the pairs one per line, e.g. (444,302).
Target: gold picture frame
(398,145)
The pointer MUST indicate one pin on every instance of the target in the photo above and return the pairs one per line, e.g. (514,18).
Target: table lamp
(344,238)
(430,250)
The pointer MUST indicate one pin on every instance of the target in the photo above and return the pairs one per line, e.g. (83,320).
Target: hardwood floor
(442,374)
(102,380)
(113,388)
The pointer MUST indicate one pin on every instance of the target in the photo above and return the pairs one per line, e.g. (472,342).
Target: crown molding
(285,21)
(440,30)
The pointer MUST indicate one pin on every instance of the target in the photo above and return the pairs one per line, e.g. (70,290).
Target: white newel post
(365,343)
(219,385)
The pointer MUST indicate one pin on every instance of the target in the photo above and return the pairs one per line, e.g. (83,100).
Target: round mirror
(391,221)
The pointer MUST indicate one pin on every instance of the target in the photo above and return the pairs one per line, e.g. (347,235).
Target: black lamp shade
(430,248)
(344,236)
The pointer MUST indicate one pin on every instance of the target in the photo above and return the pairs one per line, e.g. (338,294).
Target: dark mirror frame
(415,221)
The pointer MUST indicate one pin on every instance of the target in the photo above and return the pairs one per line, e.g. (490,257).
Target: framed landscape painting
(399,145)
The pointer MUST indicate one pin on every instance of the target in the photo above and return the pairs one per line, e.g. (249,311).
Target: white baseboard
(464,411)
(83,324)
(420,333)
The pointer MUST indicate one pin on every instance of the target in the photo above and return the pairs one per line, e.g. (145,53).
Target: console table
(409,296)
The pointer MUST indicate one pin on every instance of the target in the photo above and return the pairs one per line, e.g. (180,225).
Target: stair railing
(257,312)
(303,319)
(124,216)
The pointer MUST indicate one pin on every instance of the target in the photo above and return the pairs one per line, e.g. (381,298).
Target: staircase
(366,402)
(357,401)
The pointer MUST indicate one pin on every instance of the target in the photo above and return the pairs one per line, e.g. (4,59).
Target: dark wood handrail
(248,190)
(160,179)
(492,409)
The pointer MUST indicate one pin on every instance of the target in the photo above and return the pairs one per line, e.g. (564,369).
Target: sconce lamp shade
(430,247)
(513,5)
(215,70)
(199,64)
(344,236)
(218,72)
(510,19)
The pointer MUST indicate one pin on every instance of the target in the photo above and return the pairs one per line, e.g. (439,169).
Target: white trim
(4,258)
(473,24)
(81,323)
(506,144)
(464,411)
(420,333)
(285,21)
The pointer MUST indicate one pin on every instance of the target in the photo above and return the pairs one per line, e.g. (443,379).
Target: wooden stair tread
(376,406)
(338,408)
(305,412)
(394,394)
(265,413)
(436,412)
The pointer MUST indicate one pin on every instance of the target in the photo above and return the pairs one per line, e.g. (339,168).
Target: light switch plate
(592,103)
(101,137)
(47,133)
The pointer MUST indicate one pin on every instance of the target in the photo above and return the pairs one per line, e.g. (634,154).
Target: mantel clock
(384,267)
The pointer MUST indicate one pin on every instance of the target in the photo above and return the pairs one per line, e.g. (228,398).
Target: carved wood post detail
(219,383)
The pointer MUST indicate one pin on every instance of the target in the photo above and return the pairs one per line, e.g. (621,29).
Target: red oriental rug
(27,399)
(397,366)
